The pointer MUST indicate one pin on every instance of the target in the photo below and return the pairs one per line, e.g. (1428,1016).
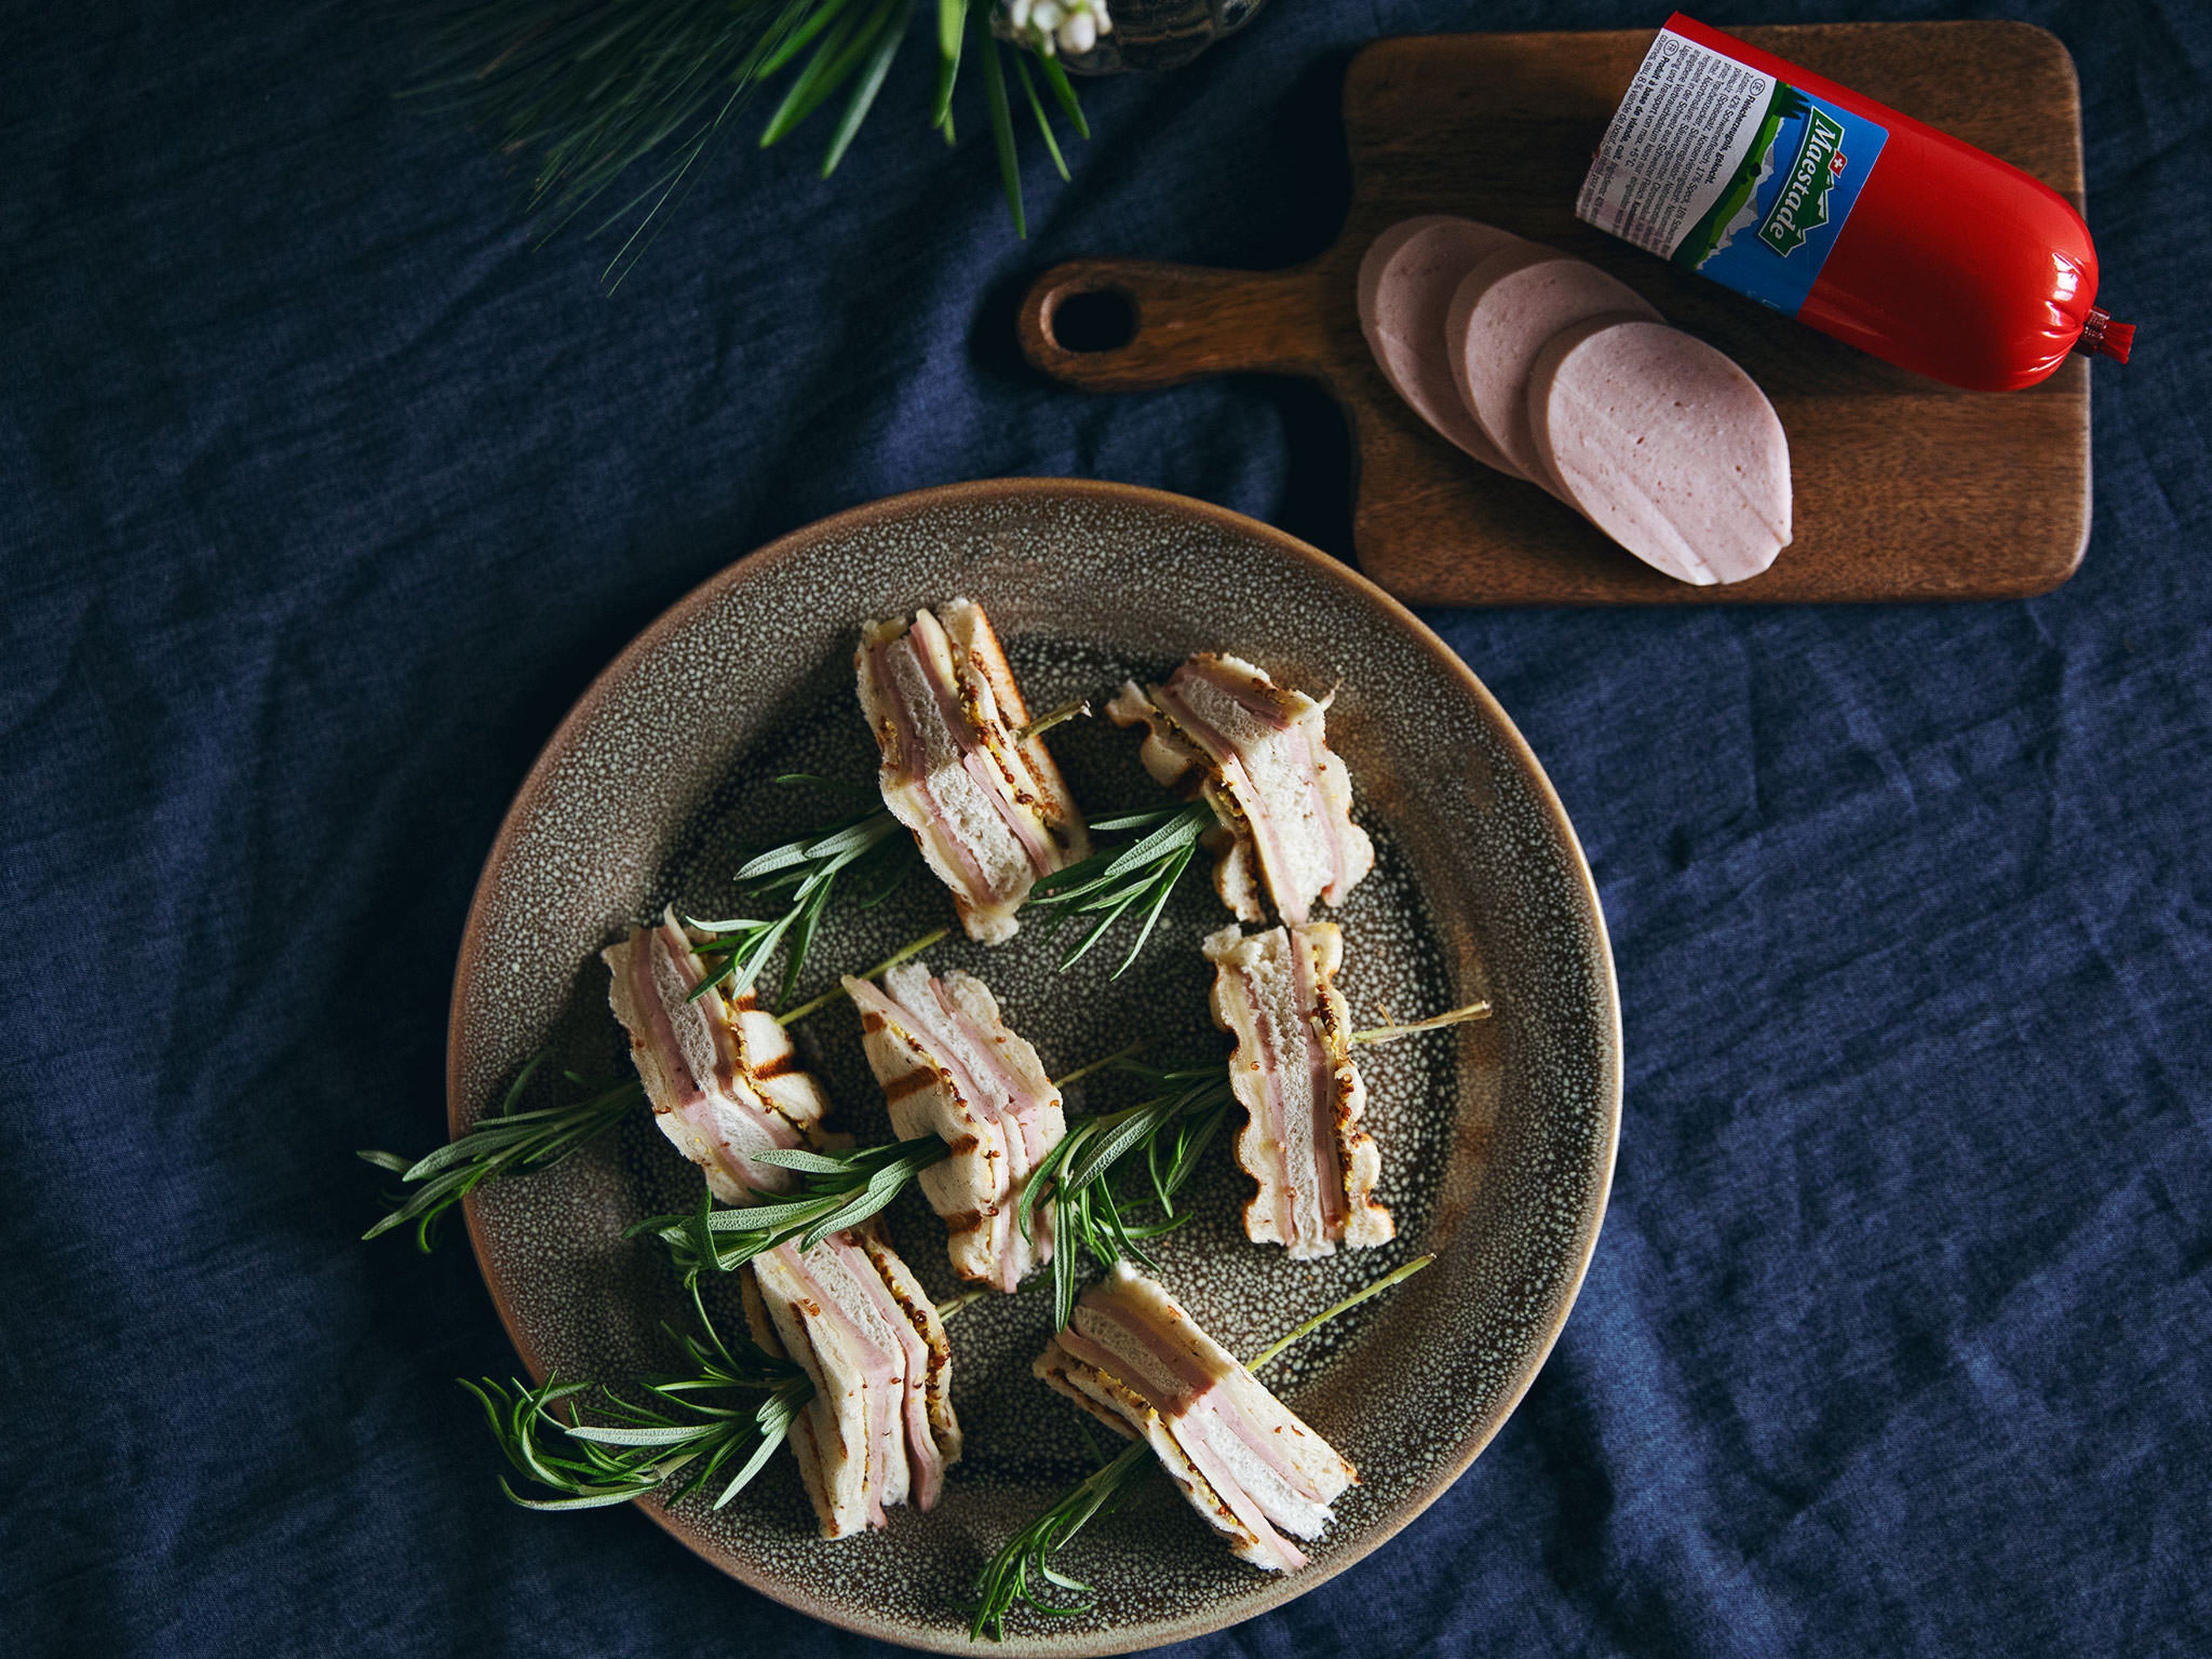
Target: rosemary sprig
(1004,1581)
(1115,880)
(687,1429)
(794,882)
(504,1143)
(837,1190)
(1172,1126)
(841,1189)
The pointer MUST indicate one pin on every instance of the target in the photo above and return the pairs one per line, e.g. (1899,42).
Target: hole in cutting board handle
(1093,321)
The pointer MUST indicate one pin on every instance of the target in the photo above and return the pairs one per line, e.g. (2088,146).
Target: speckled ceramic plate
(1496,1139)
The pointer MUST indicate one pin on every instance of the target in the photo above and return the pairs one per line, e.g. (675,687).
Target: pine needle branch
(591,94)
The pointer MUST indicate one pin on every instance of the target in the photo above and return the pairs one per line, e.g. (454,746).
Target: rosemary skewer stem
(1059,716)
(1392,1032)
(1126,1051)
(1396,1276)
(837,993)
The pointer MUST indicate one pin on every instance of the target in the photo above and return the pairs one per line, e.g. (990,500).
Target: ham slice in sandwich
(990,814)
(722,1076)
(879,1430)
(1221,729)
(1303,1098)
(950,1067)
(1133,1358)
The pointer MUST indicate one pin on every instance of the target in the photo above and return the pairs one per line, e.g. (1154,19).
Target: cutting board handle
(1184,323)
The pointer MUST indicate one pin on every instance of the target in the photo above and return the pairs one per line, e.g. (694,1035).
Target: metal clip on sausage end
(2103,338)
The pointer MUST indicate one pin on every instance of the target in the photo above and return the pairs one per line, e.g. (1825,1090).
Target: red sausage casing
(1869,225)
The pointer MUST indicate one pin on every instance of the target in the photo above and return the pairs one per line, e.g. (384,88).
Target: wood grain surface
(1905,489)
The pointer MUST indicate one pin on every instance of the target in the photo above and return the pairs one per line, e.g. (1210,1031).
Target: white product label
(1676,142)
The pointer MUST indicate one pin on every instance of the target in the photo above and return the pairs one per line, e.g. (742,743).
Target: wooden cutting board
(1906,489)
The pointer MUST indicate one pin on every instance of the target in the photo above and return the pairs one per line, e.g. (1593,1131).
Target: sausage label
(1724,170)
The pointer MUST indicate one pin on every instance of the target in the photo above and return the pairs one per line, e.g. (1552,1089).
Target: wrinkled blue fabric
(323,492)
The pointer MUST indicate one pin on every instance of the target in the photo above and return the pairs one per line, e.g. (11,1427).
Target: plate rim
(1284,1588)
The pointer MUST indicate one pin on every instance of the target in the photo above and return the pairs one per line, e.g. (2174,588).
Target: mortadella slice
(1503,315)
(1407,281)
(1667,445)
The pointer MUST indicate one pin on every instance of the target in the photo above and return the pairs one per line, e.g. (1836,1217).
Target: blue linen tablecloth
(323,493)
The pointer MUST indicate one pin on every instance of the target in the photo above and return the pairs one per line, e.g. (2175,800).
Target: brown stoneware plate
(1496,1139)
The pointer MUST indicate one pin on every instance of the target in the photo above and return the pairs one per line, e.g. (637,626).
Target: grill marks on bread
(880,1429)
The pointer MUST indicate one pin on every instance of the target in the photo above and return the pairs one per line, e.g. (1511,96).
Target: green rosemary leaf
(804,1160)
(1163,885)
(808,922)
(875,1196)
(799,879)
(1139,820)
(1120,901)
(1037,109)
(889,39)
(1114,1137)
(838,1191)
(676,1435)
(1179,832)
(951,14)
(1043,1175)
(1064,93)
(594,1498)
(1072,1217)
(773,1431)
(1002,118)
(851,841)
(1004,1581)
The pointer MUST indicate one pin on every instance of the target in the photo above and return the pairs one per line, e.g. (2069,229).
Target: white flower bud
(1047,25)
